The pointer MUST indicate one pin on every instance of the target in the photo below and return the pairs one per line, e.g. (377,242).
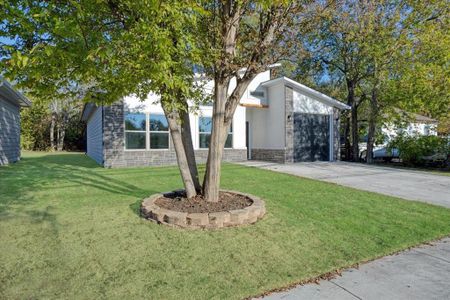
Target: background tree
(384,41)
(421,81)
(112,48)
(336,55)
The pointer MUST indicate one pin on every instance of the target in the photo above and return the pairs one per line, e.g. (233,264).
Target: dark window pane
(135,140)
(204,124)
(159,140)
(204,140)
(158,123)
(229,141)
(135,121)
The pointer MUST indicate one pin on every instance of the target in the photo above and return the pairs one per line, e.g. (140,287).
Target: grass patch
(70,229)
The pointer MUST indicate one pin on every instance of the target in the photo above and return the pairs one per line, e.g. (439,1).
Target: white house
(277,120)
(413,125)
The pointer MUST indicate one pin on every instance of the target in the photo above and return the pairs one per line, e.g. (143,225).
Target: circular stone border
(248,215)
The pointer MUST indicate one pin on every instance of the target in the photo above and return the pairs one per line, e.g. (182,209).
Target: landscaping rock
(150,209)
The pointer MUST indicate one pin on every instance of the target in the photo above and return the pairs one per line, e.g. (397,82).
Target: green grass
(70,229)
(437,171)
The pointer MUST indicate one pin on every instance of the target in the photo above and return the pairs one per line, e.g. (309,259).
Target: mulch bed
(177,201)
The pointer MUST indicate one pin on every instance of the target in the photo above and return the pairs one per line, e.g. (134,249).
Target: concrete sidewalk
(419,273)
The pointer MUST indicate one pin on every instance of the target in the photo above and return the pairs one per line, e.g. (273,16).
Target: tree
(62,111)
(335,49)
(384,40)
(400,50)
(113,49)
(421,80)
(246,37)
(117,48)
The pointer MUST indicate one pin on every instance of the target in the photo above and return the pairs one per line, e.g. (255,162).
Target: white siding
(267,124)
(94,136)
(307,104)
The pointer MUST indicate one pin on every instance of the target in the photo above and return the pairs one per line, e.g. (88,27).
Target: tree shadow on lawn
(19,181)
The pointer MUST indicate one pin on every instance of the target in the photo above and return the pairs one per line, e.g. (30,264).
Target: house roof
(88,109)
(296,85)
(415,117)
(11,94)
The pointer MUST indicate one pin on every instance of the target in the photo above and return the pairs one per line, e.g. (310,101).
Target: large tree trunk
(174,121)
(64,118)
(372,125)
(348,145)
(211,182)
(186,136)
(355,132)
(349,129)
(61,136)
(352,126)
(52,132)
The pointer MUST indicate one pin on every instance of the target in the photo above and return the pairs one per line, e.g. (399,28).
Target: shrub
(421,150)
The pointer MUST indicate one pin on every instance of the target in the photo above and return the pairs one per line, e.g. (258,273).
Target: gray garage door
(311,137)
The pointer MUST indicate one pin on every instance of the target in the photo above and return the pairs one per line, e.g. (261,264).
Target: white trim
(11,94)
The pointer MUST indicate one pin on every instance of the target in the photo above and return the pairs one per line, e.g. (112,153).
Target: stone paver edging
(248,215)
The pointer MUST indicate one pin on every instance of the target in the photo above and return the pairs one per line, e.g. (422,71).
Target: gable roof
(11,94)
(296,85)
(88,109)
(414,117)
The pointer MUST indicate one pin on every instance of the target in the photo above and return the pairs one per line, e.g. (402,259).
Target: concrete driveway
(403,183)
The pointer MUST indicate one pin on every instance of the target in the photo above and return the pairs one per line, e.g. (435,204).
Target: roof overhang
(298,86)
(8,92)
(251,105)
(87,111)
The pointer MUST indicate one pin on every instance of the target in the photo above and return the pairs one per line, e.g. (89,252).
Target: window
(159,132)
(204,131)
(135,130)
(140,136)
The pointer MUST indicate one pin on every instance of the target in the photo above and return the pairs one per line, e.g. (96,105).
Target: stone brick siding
(273,155)
(337,134)
(116,156)
(289,125)
(9,132)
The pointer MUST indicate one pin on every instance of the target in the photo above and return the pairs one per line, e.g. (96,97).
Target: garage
(292,123)
(311,137)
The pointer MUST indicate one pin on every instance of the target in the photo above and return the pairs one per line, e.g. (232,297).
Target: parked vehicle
(381,153)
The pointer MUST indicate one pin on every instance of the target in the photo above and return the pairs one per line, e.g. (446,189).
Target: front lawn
(71,229)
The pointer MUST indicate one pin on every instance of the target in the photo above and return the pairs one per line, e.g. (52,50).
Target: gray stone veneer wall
(289,124)
(116,156)
(337,134)
(9,132)
(273,155)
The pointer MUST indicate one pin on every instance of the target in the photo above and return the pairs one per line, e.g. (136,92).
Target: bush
(421,150)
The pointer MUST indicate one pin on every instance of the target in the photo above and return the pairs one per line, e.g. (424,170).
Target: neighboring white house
(413,125)
(277,120)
